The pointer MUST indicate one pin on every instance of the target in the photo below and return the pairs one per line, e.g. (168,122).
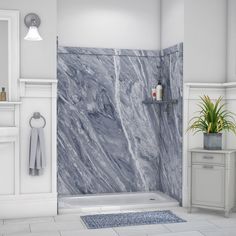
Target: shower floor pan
(114,202)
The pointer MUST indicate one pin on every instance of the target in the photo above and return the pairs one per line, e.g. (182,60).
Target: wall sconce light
(32,21)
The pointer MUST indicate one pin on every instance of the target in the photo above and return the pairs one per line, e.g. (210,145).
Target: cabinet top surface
(6,103)
(223,151)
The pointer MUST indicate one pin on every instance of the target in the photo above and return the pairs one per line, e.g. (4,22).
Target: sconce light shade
(32,21)
(33,34)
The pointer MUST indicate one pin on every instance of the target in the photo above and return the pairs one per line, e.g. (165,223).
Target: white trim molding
(23,206)
(38,88)
(29,196)
(211,85)
(192,93)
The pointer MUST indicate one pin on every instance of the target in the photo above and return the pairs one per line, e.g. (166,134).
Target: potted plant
(213,118)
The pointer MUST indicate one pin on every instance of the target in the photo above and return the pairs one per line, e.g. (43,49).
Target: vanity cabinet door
(208,185)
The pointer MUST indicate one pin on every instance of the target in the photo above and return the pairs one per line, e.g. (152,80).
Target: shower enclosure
(111,138)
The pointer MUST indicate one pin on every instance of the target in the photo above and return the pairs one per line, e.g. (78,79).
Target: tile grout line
(204,233)
(30,228)
(217,226)
(115,231)
(169,231)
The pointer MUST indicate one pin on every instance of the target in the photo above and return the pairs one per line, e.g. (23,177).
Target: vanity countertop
(223,151)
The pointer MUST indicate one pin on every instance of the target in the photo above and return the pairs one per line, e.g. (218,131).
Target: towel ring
(37,116)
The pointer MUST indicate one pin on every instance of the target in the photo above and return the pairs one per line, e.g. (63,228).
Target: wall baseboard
(23,206)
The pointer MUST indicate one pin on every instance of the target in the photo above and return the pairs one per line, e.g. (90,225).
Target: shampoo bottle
(159,91)
(3,95)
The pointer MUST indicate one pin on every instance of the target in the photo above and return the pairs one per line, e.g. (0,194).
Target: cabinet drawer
(210,158)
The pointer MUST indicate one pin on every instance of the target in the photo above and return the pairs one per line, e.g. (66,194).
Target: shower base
(114,202)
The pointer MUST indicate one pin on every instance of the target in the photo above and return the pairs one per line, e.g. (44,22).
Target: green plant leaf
(212,117)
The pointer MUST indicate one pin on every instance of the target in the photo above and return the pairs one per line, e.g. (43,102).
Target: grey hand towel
(37,158)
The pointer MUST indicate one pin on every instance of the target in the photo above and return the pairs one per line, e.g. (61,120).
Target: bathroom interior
(95,103)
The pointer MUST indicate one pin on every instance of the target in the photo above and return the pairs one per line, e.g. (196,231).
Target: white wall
(205,40)
(37,59)
(202,26)
(231,60)
(24,195)
(3,54)
(172,22)
(133,24)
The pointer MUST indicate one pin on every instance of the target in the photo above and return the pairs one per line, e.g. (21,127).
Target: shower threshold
(114,202)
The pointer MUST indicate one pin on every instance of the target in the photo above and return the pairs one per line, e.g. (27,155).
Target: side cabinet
(211,178)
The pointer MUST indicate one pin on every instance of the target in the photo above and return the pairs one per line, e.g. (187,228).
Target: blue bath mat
(130,219)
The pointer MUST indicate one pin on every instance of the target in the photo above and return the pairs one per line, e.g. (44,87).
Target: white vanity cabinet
(211,179)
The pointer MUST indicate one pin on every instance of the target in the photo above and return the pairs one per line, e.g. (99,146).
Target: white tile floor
(199,223)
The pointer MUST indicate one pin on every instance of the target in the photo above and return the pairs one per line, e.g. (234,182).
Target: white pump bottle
(159,91)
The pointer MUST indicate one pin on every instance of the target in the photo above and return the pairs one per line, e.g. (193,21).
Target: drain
(152,199)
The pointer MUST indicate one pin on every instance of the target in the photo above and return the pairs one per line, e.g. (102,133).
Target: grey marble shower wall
(108,140)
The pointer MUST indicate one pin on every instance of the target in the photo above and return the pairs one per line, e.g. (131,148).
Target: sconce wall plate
(32,19)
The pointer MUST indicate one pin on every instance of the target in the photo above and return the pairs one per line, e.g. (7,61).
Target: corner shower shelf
(165,102)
